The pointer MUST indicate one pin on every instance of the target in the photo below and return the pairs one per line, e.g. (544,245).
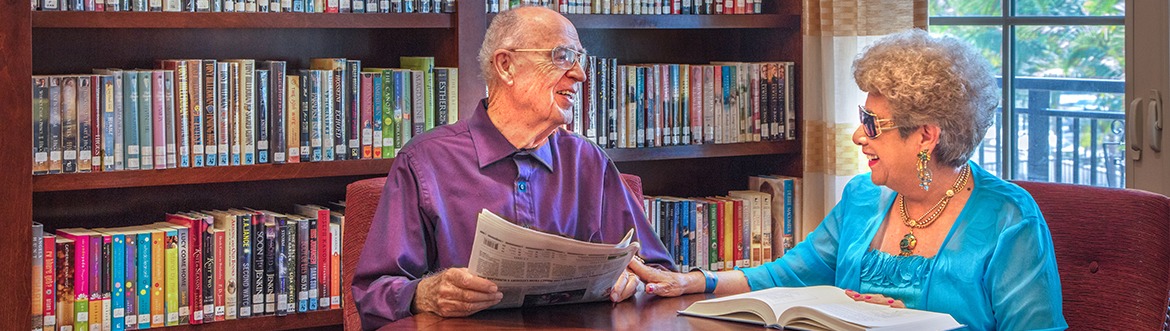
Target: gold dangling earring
(924,175)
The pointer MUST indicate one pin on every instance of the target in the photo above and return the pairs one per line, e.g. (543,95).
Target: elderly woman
(926,228)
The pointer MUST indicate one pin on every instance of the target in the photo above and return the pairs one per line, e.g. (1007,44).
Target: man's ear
(502,65)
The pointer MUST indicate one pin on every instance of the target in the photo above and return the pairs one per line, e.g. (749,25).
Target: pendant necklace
(909,241)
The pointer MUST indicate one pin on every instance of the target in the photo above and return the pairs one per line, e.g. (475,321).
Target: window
(1065,64)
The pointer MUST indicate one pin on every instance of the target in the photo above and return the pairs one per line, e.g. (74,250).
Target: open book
(816,308)
(533,268)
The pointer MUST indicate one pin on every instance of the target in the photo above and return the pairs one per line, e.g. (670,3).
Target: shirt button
(523,185)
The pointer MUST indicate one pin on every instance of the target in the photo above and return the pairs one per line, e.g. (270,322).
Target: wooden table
(643,312)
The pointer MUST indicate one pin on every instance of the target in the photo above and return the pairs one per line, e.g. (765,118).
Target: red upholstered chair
(361,199)
(1113,252)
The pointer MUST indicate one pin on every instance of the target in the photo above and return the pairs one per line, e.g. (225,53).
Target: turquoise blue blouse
(995,269)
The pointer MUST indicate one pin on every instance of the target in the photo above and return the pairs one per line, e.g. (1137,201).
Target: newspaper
(533,268)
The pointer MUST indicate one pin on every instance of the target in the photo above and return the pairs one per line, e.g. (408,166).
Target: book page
(768,303)
(878,316)
(533,268)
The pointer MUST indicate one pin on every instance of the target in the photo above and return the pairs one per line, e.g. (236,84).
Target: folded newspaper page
(533,268)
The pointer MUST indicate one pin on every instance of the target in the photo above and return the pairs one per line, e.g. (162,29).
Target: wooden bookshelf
(208,175)
(704,22)
(150,20)
(76,42)
(702,151)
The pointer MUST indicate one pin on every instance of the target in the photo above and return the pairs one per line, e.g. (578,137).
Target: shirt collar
(491,146)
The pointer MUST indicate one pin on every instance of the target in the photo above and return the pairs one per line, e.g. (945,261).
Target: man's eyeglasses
(871,123)
(562,56)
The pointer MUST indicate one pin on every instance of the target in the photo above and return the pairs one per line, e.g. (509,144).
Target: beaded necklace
(909,241)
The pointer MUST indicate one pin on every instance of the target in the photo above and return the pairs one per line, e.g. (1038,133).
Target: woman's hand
(661,282)
(875,299)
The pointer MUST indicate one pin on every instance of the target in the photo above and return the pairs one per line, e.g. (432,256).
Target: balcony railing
(1078,144)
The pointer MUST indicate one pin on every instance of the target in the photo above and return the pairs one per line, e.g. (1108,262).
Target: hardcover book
(816,308)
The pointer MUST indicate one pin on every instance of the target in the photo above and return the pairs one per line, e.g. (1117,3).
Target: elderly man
(511,157)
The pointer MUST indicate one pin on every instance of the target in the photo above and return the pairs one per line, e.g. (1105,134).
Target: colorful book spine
(40,117)
(66,283)
(244,265)
(111,122)
(81,275)
(69,125)
(118,273)
(146,124)
(278,110)
(353,109)
(452,94)
(220,275)
(210,90)
(159,311)
(314,255)
(366,105)
(335,265)
(171,270)
(87,121)
(440,96)
(38,268)
(305,84)
(270,257)
(49,281)
(262,115)
(303,251)
(194,115)
(131,283)
(284,273)
(145,283)
(378,117)
(258,260)
(170,124)
(293,118)
(224,109)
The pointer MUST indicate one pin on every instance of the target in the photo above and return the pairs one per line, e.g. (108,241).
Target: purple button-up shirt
(440,180)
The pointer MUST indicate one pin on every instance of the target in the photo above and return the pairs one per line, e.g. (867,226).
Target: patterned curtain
(834,32)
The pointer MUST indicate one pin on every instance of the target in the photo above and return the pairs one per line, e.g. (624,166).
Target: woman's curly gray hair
(932,80)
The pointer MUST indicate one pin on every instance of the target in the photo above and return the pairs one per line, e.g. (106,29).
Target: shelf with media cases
(205,175)
(753,21)
(325,318)
(702,151)
(184,20)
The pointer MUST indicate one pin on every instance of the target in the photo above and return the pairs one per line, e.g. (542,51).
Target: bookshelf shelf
(292,321)
(702,151)
(228,174)
(156,20)
(706,22)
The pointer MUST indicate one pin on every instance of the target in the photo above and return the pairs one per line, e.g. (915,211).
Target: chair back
(1112,251)
(361,199)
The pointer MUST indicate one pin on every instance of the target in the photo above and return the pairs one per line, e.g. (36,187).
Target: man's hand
(625,286)
(455,292)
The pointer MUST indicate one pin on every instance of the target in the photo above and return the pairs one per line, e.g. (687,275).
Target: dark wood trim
(231,174)
(138,20)
(703,151)
(472,24)
(15,141)
(291,322)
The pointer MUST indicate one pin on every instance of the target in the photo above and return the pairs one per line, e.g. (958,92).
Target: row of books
(741,229)
(636,7)
(199,113)
(251,6)
(194,268)
(648,105)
